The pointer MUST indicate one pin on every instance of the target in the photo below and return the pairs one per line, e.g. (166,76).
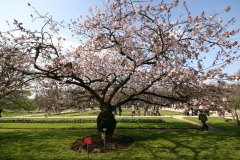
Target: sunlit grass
(169,123)
(47,126)
(8,113)
(218,122)
(173,139)
(87,112)
(149,144)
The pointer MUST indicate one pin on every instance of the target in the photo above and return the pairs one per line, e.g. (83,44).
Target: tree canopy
(13,83)
(130,51)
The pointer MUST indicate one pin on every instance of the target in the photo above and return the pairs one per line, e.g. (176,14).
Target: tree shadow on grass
(187,144)
(161,142)
(26,144)
(118,142)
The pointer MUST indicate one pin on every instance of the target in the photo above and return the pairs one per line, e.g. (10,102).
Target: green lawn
(149,144)
(169,123)
(125,112)
(170,113)
(171,140)
(88,112)
(218,122)
(8,113)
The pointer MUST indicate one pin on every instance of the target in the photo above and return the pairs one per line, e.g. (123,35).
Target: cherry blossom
(133,51)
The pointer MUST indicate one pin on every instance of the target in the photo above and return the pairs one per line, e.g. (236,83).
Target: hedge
(80,121)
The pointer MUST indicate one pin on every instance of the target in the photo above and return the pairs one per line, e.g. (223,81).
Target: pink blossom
(220,20)
(90,9)
(63,81)
(228,9)
(1,60)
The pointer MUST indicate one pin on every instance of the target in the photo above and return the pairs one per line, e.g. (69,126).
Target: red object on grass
(87,140)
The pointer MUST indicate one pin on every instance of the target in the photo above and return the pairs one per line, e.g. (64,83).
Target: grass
(169,123)
(125,112)
(218,122)
(149,144)
(174,139)
(170,113)
(85,113)
(47,126)
(8,113)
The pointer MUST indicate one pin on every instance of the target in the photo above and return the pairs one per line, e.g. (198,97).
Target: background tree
(14,85)
(54,98)
(231,101)
(235,104)
(17,101)
(128,50)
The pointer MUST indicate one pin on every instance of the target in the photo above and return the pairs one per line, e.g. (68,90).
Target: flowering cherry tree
(54,97)
(130,51)
(13,83)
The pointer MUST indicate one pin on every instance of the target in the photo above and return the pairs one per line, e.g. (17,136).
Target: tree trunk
(235,116)
(106,121)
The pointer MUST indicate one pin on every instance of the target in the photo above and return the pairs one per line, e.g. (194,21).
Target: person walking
(203,118)
(133,110)
(191,110)
(157,111)
(120,110)
(153,111)
(138,111)
(145,110)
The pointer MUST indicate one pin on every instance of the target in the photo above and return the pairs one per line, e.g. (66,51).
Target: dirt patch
(118,142)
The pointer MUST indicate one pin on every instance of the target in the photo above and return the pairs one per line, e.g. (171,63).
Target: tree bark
(237,118)
(106,120)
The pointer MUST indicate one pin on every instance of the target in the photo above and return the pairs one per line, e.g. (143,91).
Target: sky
(72,9)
